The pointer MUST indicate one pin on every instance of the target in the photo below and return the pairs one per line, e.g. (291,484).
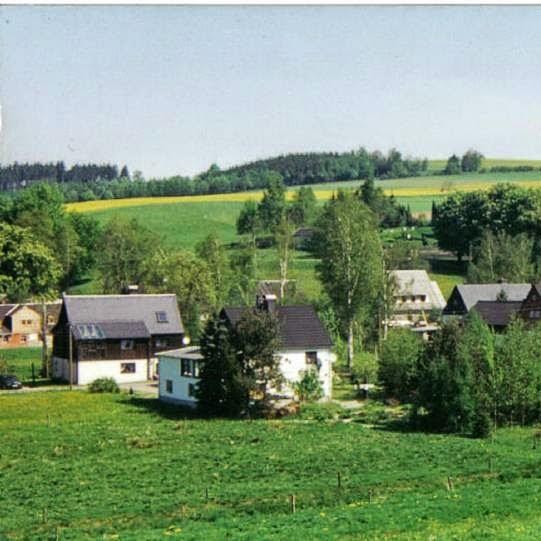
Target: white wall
(170,370)
(85,372)
(292,364)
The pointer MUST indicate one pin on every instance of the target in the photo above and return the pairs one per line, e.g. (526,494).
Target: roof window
(161,317)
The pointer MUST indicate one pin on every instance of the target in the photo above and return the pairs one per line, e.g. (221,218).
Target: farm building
(465,296)
(415,297)
(530,309)
(22,324)
(115,336)
(305,344)
(497,314)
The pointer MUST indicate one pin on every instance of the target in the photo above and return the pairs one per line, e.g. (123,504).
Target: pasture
(77,466)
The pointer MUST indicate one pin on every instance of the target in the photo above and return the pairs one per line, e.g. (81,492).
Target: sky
(171,89)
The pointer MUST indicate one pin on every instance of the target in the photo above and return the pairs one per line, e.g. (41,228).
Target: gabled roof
(5,309)
(300,327)
(127,309)
(111,330)
(497,313)
(473,293)
(416,283)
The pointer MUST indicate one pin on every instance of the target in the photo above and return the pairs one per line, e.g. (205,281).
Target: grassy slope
(184,221)
(112,467)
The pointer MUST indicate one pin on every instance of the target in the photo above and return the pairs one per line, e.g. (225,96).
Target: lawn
(76,466)
(18,361)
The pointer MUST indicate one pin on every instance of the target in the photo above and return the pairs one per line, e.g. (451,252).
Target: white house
(116,336)
(305,345)
(415,297)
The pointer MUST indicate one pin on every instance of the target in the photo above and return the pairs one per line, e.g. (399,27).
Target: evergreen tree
(220,391)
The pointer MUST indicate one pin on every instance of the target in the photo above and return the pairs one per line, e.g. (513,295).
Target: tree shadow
(174,412)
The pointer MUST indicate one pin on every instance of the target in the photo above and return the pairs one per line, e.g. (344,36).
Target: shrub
(104,385)
(309,389)
(321,411)
(397,362)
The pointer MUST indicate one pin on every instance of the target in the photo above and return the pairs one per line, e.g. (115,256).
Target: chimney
(130,289)
(269,303)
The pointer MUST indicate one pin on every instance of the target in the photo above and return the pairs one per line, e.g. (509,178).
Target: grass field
(19,361)
(76,466)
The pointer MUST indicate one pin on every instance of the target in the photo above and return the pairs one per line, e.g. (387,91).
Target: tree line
(20,175)
(89,181)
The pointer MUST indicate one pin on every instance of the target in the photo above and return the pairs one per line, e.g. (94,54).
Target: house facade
(465,296)
(22,324)
(115,336)
(305,345)
(415,298)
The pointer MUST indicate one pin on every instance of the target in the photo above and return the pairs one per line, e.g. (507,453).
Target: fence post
(293,503)
(339,480)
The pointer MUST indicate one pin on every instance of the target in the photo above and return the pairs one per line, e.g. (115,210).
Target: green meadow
(77,466)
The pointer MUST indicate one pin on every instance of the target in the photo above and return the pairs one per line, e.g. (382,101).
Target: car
(10,382)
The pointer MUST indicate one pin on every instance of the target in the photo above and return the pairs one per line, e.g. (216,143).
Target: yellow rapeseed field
(93,206)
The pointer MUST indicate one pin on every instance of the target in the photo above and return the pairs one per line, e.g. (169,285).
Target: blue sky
(169,90)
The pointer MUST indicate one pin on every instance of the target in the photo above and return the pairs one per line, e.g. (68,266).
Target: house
(22,324)
(530,310)
(115,336)
(465,296)
(497,314)
(305,344)
(415,296)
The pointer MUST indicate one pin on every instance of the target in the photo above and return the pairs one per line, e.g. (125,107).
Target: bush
(397,362)
(309,389)
(104,385)
(322,411)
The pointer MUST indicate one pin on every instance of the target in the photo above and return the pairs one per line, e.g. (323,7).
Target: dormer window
(161,317)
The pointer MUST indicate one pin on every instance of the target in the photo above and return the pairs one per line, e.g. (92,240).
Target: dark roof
(5,309)
(86,309)
(495,313)
(112,330)
(300,327)
(473,293)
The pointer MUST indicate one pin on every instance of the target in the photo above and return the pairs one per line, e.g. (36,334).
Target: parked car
(10,382)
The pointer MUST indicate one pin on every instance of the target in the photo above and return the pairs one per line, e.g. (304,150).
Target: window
(23,338)
(126,344)
(161,317)
(189,368)
(50,320)
(168,386)
(311,357)
(88,332)
(26,322)
(191,389)
(5,339)
(161,343)
(535,314)
(127,368)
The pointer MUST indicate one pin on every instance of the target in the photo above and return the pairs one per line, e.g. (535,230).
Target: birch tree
(351,267)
